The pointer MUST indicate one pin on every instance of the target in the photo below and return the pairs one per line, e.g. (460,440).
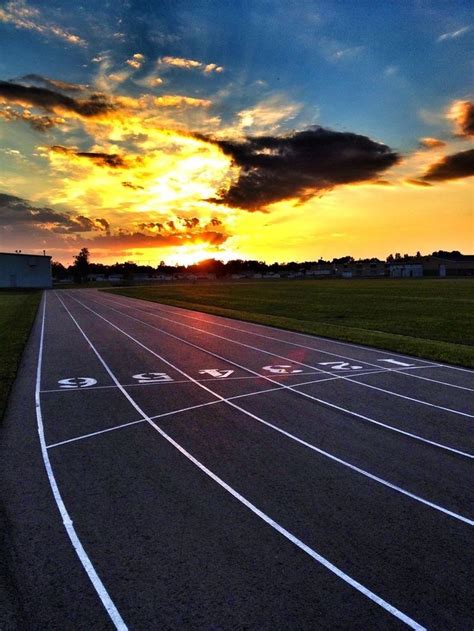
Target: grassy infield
(17,312)
(428,318)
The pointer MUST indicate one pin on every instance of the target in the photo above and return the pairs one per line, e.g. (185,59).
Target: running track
(169,469)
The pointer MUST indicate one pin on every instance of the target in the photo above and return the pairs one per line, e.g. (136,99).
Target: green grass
(17,312)
(430,318)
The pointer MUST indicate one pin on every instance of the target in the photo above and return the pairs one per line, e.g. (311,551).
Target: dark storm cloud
(53,101)
(189,223)
(100,158)
(299,165)
(215,222)
(151,225)
(141,240)
(18,212)
(103,159)
(452,167)
(134,187)
(51,84)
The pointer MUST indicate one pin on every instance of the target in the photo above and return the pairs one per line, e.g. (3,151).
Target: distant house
(26,271)
(438,266)
(406,270)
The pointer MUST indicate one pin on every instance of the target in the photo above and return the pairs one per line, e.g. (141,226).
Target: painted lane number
(152,377)
(396,363)
(77,382)
(281,370)
(340,366)
(214,372)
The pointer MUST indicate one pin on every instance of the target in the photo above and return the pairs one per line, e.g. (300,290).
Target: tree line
(83,267)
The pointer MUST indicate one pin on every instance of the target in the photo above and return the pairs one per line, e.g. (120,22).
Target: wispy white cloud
(454,34)
(335,51)
(391,71)
(23,16)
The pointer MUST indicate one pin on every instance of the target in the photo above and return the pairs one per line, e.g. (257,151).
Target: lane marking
(215,372)
(291,388)
(263,516)
(313,337)
(98,585)
(153,377)
(261,350)
(363,472)
(74,383)
(178,381)
(174,412)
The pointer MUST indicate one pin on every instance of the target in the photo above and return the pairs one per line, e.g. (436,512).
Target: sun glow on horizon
(192,254)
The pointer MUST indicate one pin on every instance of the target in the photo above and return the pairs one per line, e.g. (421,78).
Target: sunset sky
(264,129)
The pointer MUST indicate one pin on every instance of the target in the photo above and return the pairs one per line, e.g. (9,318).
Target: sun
(192,254)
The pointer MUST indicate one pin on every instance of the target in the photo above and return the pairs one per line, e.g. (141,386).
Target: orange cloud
(136,61)
(462,113)
(431,143)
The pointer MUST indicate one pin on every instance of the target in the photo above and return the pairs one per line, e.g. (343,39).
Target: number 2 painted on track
(340,366)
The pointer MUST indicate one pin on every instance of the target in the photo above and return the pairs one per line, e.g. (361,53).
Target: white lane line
(400,371)
(307,335)
(281,431)
(291,388)
(271,522)
(91,434)
(299,363)
(99,587)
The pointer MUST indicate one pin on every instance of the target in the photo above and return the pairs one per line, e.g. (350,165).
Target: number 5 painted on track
(152,377)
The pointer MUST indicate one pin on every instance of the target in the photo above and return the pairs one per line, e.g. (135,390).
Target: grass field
(17,312)
(430,318)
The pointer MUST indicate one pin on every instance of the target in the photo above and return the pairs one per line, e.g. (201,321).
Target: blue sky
(389,71)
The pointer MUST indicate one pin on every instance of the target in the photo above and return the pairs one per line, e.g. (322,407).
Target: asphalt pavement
(169,469)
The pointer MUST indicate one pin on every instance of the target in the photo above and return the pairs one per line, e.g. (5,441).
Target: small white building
(406,271)
(25,271)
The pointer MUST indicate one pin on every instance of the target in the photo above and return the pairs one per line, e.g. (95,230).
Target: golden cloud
(431,143)
(462,113)
(189,64)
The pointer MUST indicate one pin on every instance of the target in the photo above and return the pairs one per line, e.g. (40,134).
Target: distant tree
(81,266)
(343,260)
(443,254)
(390,258)
(58,270)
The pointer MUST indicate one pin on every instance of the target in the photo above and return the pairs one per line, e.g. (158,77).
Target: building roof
(41,256)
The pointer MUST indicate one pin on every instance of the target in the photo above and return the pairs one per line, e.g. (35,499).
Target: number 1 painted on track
(396,363)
